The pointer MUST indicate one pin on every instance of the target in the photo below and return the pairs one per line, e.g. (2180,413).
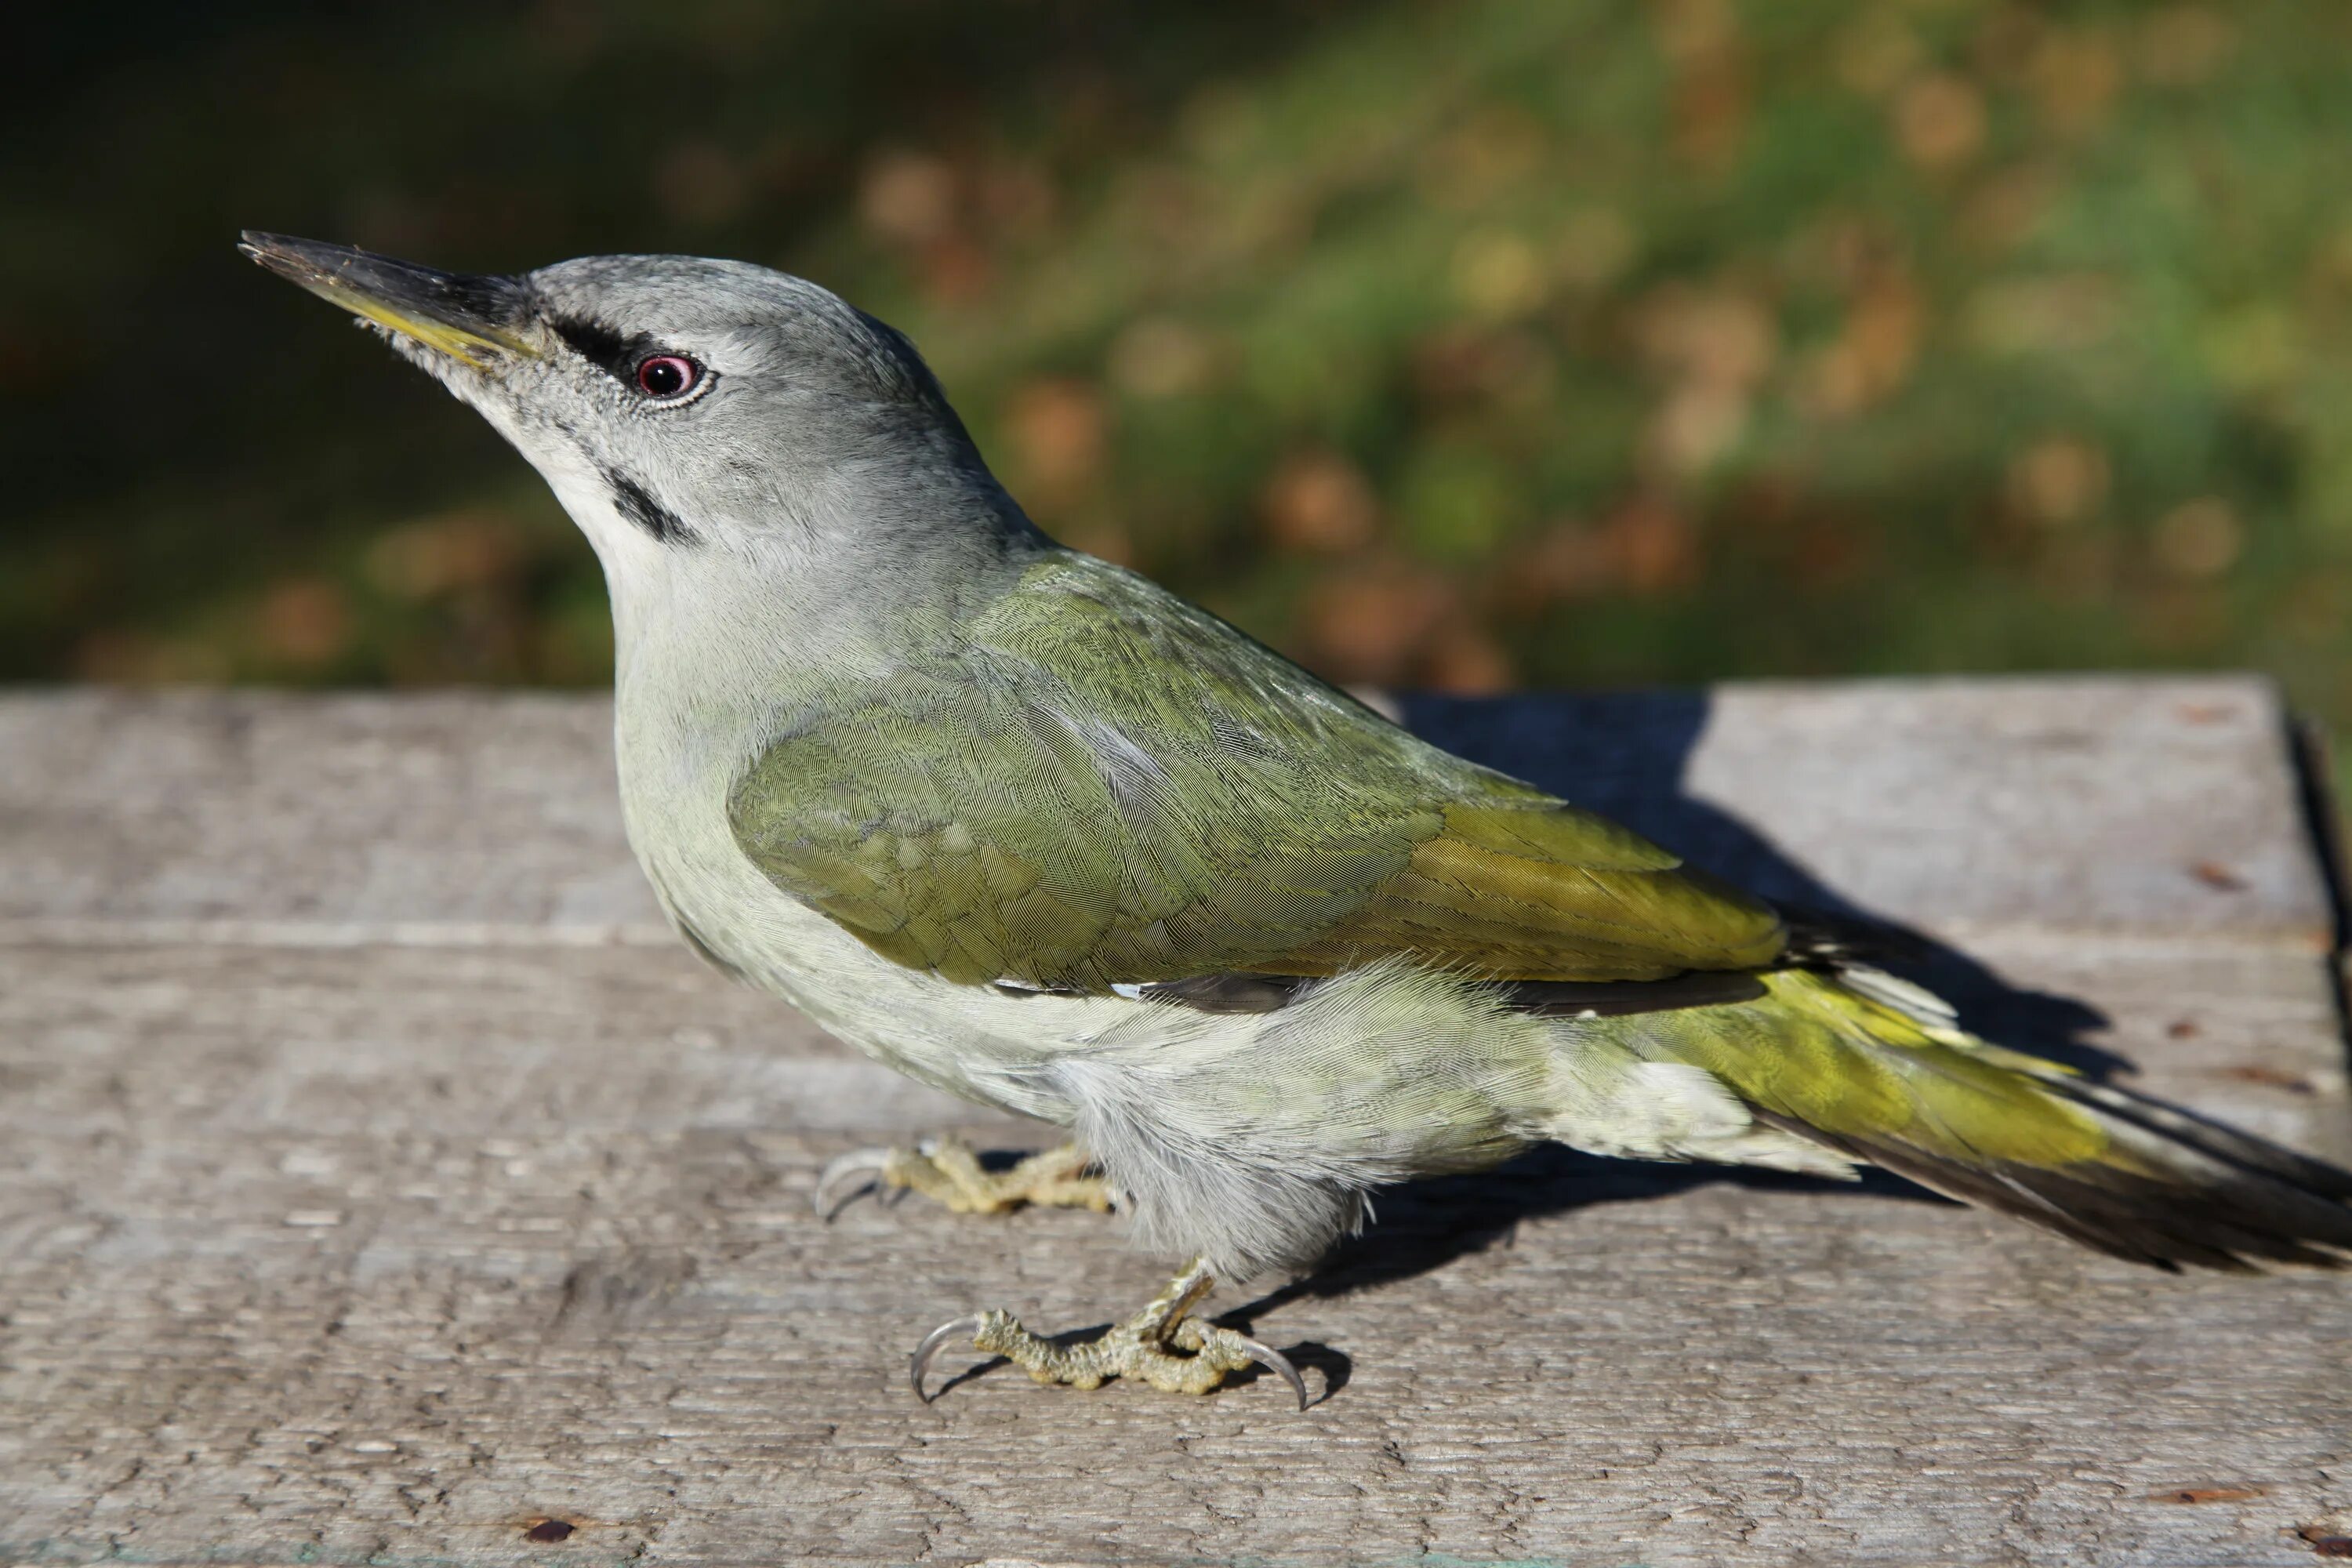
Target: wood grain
(379,1182)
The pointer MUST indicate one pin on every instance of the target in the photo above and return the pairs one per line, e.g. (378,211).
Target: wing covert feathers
(1106,785)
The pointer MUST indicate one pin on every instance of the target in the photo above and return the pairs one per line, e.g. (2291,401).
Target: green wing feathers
(2108,1169)
(1103,785)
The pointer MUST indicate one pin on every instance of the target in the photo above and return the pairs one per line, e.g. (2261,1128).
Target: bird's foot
(1162,1345)
(948,1172)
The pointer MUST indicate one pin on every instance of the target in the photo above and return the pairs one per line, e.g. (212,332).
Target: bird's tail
(1876,1071)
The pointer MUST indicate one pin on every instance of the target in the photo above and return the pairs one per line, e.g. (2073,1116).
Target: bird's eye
(667,375)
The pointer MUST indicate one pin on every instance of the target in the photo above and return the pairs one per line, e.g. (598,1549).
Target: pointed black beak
(470,318)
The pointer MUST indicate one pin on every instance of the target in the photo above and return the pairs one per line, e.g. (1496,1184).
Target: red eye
(667,375)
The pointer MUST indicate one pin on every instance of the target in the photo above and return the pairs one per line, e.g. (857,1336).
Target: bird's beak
(472,319)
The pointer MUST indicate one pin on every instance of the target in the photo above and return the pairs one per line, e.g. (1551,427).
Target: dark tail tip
(2177,1190)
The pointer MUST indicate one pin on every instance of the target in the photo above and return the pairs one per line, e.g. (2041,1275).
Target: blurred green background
(1459,345)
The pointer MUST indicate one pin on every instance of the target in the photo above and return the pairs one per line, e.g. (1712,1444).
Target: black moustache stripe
(638,506)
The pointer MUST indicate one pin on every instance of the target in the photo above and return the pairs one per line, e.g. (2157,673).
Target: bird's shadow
(1625,755)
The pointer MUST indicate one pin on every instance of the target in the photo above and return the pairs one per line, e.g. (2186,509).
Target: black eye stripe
(602,346)
(623,357)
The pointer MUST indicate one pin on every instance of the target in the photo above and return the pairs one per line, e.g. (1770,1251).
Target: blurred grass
(1466,344)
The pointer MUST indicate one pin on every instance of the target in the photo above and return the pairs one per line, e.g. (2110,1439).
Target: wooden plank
(313,815)
(383,1254)
(381,1223)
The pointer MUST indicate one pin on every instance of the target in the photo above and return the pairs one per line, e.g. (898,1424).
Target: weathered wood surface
(379,1179)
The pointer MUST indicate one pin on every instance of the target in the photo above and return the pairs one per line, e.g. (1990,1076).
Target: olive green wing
(1108,786)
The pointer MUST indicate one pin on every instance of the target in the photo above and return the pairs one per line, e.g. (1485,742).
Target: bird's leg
(948,1172)
(1163,1345)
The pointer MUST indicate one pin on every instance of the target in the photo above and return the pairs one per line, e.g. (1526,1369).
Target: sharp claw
(866,1163)
(1275,1361)
(964,1328)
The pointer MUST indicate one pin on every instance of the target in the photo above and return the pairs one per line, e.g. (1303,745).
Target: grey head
(695,415)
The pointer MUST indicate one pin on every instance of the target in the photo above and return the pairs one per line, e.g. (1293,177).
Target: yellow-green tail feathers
(1863,1068)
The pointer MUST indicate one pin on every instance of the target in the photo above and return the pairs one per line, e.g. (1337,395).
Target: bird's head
(677,405)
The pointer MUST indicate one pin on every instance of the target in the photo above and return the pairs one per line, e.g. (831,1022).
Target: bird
(1031,830)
